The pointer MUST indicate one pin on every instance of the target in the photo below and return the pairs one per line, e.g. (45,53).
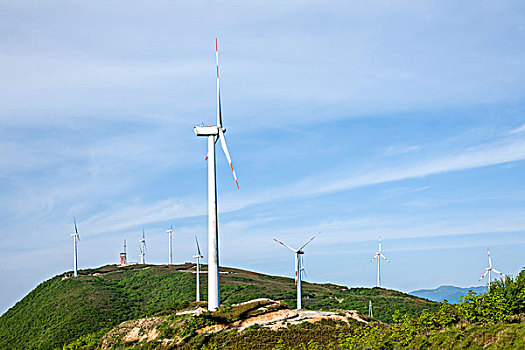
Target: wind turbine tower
(490,269)
(298,267)
(170,234)
(214,133)
(76,237)
(198,256)
(143,248)
(379,255)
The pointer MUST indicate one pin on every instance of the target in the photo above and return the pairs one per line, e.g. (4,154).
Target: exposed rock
(258,312)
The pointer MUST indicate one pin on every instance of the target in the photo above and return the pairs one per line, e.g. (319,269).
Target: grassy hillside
(62,309)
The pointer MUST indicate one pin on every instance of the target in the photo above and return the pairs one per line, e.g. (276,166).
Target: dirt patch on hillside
(259,312)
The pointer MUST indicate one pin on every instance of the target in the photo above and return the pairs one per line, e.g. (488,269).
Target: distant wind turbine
(298,267)
(142,243)
(170,234)
(379,255)
(490,269)
(370,310)
(198,256)
(76,237)
(214,134)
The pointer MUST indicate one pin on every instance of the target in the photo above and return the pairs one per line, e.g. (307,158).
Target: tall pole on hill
(170,236)
(214,133)
(379,255)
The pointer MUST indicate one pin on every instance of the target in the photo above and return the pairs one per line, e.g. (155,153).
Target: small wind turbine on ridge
(214,133)
(299,269)
(379,255)
(198,256)
(76,237)
(142,243)
(490,269)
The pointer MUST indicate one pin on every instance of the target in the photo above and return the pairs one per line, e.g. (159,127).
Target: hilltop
(62,309)
(449,293)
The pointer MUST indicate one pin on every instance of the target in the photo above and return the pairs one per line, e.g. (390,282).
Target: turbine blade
(296,272)
(75,221)
(311,239)
(219,112)
(303,269)
(293,250)
(490,260)
(385,258)
(198,248)
(496,271)
(225,149)
(375,256)
(483,275)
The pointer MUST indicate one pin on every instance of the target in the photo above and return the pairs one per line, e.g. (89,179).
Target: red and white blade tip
(235,176)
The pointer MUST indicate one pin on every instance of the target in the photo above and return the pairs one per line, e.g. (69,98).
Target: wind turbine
(370,310)
(298,267)
(490,269)
(198,256)
(142,248)
(214,133)
(76,237)
(170,234)
(379,255)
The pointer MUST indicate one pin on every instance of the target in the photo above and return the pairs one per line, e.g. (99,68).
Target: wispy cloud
(499,152)
(518,129)
(395,150)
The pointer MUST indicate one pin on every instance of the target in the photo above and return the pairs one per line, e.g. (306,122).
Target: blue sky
(399,119)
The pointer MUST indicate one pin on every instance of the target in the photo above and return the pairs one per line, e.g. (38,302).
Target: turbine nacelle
(208,130)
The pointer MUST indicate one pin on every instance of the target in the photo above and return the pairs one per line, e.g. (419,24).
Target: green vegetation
(493,321)
(62,310)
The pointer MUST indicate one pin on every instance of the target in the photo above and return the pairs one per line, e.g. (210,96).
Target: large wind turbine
(490,269)
(142,243)
(214,133)
(379,255)
(298,267)
(76,237)
(198,256)
(170,234)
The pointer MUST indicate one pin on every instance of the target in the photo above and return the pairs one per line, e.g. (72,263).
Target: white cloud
(518,130)
(495,153)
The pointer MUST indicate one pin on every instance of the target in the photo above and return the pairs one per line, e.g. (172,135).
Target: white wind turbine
(214,133)
(76,237)
(379,255)
(198,256)
(490,269)
(142,243)
(298,267)
(170,234)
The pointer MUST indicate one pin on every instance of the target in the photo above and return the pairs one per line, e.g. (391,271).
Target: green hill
(62,309)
